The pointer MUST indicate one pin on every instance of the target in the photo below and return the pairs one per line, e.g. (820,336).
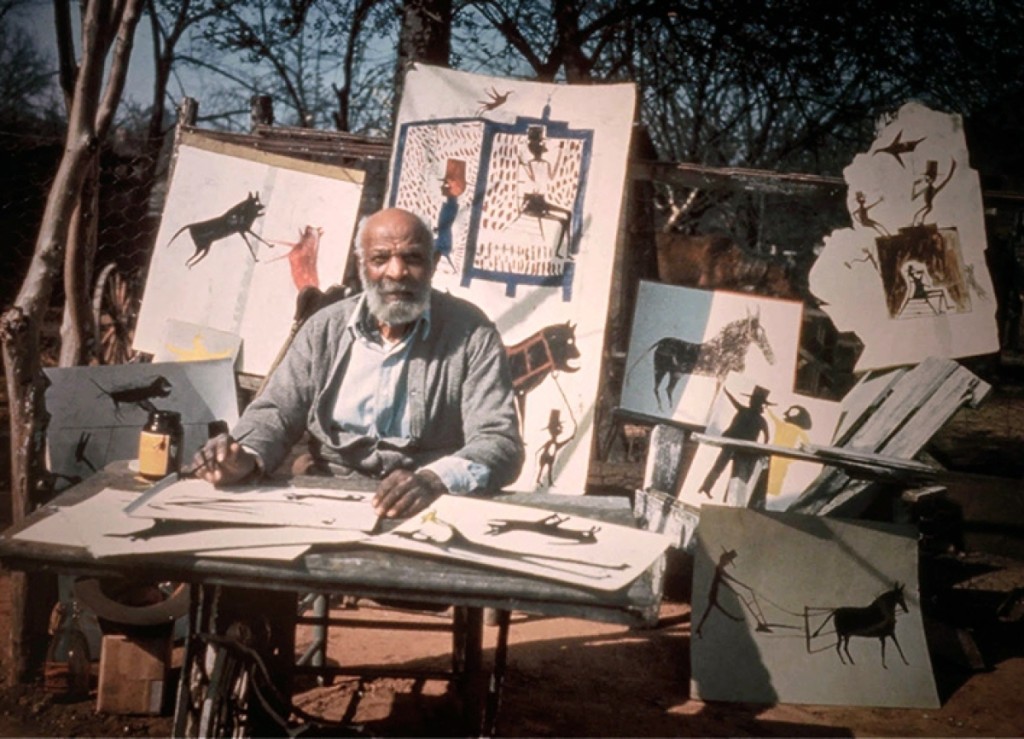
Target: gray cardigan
(460,397)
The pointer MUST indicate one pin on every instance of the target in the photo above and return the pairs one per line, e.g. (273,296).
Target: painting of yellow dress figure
(788,419)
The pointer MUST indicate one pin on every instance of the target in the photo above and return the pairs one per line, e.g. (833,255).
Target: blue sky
(36,18)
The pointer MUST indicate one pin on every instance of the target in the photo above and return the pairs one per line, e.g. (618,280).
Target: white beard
(394,313)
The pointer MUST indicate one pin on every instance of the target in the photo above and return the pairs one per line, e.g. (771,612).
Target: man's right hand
(223,461)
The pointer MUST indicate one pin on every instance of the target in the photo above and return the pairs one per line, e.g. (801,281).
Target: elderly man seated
(400,383)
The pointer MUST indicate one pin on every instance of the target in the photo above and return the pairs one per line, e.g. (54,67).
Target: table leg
(490,717)
(467,664)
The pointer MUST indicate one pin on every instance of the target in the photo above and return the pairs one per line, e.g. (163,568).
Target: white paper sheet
(198,500)
(533,541)
(100,525)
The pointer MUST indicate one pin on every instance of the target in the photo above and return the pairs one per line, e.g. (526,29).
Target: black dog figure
(236,220)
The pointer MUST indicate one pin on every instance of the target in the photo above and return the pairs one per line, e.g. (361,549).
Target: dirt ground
(568,677)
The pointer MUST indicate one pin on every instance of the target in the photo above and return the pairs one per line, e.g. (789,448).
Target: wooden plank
(869,392)
(664,458)
(703,177)
(959,389)
(872,464)
(906,395)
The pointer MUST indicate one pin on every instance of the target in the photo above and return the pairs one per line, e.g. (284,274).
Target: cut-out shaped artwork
(909,275)
(96,413)
(533,541)
(748,411)
(522,183)
(686,341)
(242,233)
(791,608)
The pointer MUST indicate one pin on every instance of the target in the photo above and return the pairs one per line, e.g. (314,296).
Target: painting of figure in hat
(747,424)
(548,452)
(747,409)
(452,186)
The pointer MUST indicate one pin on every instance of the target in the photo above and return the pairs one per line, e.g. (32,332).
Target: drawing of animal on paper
(724,353)
(238,219)
(876,620)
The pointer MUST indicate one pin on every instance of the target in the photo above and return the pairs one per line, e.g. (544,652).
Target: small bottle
(160,445)
(68,667)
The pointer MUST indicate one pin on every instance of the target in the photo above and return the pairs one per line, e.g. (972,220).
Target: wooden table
(358,571)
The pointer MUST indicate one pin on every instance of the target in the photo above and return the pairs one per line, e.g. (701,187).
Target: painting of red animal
(302,257)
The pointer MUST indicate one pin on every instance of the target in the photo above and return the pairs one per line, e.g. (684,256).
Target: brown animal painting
(550,350)
(714,261)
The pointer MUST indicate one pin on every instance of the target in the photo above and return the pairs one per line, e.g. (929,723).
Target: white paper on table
(100,525)
(198,500)
(533,541)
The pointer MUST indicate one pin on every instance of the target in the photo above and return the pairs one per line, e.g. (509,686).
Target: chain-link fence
(128,211)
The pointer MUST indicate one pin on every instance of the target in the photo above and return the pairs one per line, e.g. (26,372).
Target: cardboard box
(133,674)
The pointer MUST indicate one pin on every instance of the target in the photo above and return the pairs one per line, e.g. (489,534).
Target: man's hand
(403,493)
(222,461)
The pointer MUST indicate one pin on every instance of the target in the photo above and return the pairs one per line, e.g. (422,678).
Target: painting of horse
(724,353)
(876,620)
(685,342)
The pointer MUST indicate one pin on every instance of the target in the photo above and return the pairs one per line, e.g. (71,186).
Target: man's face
(396,267)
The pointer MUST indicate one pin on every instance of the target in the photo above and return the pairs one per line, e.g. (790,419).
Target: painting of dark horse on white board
(686,341)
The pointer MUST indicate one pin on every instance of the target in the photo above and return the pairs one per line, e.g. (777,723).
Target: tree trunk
(78,340)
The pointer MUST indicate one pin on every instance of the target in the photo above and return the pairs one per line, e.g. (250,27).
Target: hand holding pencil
(223,461)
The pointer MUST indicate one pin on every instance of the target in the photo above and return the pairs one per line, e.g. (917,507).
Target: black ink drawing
(80,447)
(877,620)
(236,220)
(898,147)
(250,508)
(972,281)
(549,450)
(925,187)
(538,174)
(862,214)
(746,595)
(716,358)
(547,526)
(549,351)
(922,272)
(748,424)
(494,100)
(868,257)
(922,289)
(140,395)
(446,537)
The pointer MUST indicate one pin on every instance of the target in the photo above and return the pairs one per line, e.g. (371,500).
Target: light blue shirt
(371,400)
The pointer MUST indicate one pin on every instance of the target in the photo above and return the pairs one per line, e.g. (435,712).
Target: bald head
(393,223)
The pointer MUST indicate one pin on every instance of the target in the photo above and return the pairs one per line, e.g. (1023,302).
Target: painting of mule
(685,341)
(795,608)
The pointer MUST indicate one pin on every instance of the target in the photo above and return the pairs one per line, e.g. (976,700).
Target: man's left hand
(403,493)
